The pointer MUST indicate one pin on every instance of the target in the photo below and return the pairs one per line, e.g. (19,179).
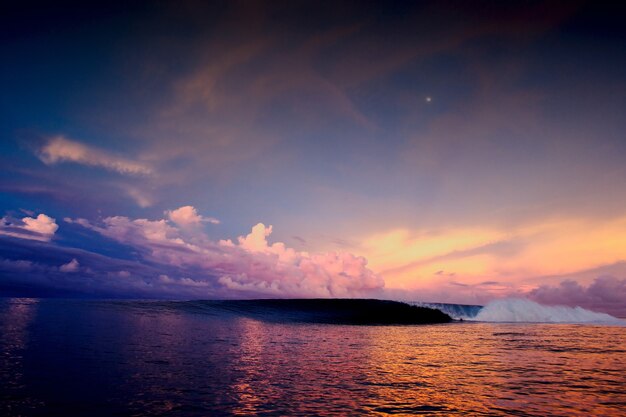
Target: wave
(514,310)
(311,310)
(362,311)
(456,311)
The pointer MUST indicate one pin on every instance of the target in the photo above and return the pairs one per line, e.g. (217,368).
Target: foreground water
(97,358)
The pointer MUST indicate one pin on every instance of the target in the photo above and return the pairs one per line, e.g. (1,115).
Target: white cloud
(60,149)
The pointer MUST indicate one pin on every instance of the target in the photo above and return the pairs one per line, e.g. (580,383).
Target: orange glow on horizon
(410,260)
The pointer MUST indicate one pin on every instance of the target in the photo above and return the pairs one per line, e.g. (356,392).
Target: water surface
(96,358)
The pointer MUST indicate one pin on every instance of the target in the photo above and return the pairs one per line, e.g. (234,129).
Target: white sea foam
(522,310)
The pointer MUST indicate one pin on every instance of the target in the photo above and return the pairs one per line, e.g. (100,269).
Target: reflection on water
(15,316)
(98,358)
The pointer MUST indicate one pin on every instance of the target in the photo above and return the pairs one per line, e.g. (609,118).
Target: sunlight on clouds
(568,246)
(188,216)
(41,228)
(401,247)
(516,256)
(404,258)
(42,224)
(249,266)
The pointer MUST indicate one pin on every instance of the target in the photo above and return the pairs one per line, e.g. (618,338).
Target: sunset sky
(434,151)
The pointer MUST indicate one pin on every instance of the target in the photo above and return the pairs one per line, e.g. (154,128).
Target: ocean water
(108,358)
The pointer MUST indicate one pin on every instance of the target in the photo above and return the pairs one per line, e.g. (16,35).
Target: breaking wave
(526,311)
(518,310)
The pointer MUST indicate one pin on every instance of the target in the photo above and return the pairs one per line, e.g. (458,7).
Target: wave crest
(522,310)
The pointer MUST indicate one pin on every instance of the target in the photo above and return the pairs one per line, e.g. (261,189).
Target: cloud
(82,222)
(40,228)
(71,266)
(605,293)
(139,196)
(188,216)
(31,268)
(60,149)
(17,266)
(43,224)
(251,266)
(521,257)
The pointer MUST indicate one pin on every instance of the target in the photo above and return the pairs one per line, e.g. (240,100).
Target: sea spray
(523,310)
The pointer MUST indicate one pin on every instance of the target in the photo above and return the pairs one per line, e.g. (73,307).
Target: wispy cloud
(523,257)
(60,149)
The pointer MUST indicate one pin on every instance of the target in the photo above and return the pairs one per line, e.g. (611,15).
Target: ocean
(220,358)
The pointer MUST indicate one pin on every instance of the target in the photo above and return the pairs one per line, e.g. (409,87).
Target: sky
(436,151)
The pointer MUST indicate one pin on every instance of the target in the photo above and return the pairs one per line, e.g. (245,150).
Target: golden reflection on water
(487,368)
(417,372)
(478,369)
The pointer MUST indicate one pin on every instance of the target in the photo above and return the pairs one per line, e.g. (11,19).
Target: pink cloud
(251,266)
(42,227)
(42,224)
(605,293)
(188,216)
(71,266)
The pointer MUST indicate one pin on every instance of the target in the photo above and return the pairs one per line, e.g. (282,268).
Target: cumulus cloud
(188,216)
(60,149)
(605,293)
(40,228)
(250,266)
(42,224)
(71,266)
